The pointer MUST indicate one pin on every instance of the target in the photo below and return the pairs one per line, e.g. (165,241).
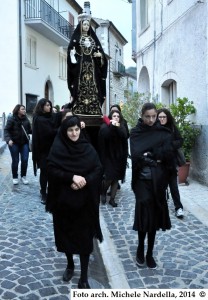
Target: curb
(113,266)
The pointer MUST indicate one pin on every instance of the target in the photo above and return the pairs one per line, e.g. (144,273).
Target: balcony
(119,70)
(43,18)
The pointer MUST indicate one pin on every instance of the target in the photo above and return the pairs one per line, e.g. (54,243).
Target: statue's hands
(72,55)
(73,51)
(97,54)
(82,124)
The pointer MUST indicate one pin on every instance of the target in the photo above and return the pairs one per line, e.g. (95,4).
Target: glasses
(162,117)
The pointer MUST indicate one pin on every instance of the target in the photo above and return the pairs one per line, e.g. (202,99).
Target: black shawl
(44,130)
(74,158)
(155,139)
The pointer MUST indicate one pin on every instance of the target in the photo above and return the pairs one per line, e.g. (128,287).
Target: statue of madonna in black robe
(87,71)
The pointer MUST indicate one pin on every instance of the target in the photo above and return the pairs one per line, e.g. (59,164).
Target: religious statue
(87,70)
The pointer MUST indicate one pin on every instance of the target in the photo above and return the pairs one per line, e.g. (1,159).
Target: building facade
(171,56)
(113,43)
(34,45)
(35,50)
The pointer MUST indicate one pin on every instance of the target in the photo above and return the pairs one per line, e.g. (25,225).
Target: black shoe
(68,274)
(103,199)
(43,198)
(140,260)
(119,186)
(83,285)
(113,203)
(151,262)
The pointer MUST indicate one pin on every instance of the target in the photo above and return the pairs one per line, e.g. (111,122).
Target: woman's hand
(115,123)
(10,143)
(79,181)
(74,186)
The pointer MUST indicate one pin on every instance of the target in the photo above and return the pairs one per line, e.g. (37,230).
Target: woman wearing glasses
(152,155)
(167,120)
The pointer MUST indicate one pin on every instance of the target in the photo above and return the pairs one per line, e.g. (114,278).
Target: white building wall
(33,80)
(9,58)
(47,69)
(179,52)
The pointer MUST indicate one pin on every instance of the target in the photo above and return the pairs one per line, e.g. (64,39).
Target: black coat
(113,150)
(75,212)
(151,210)
(177,141)
(44,130)
(13,130)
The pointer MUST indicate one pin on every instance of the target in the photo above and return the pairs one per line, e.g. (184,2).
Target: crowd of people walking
(75,178)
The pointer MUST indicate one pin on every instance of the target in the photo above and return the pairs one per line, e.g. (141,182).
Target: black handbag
(145,173)
(181,160)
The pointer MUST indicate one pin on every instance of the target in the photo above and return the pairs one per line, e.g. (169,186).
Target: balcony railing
(119,70)
(40,11)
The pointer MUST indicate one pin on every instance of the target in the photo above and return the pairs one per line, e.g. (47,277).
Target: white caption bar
(118,294)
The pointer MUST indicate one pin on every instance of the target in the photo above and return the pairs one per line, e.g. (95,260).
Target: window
(31,50)
(62,65)
(169,92)
(143,14)
(31,101)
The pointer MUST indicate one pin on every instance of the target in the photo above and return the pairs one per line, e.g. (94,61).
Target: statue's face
(85,25)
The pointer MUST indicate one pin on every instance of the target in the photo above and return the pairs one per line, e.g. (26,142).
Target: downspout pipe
(154,53)
(20,51)
(109,68)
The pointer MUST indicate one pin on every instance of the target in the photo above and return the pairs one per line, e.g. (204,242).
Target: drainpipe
(20,50)
(154,53)
(109,68)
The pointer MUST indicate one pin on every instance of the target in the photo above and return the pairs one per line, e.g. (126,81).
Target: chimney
(87,7)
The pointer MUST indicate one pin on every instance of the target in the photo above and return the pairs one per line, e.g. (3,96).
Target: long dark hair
(170,119)
(17,108)
(39,108)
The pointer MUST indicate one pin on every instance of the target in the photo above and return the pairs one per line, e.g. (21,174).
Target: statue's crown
(84,16)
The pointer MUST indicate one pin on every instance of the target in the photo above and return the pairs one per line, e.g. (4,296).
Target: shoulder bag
(28,137)
(180,157)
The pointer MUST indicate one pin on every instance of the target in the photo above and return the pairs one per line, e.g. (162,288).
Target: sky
(118,12)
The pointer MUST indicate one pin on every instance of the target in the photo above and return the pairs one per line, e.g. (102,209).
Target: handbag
(145,173)
(29,140)
(181,160)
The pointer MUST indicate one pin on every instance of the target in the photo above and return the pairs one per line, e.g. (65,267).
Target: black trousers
(173,185)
